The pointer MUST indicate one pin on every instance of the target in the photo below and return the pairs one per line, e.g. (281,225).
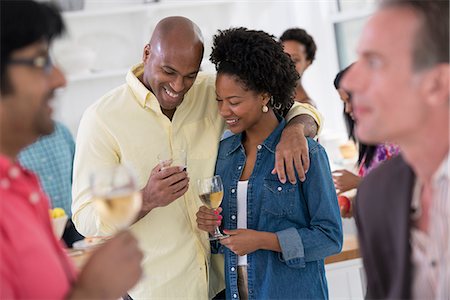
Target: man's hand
(208,219)
(163,187)
(112,270)
(345,181)
(292,153)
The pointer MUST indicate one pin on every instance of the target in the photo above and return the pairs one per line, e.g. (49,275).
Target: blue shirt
(305,217)
(51,158)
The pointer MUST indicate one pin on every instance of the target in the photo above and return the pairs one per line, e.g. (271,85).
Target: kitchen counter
(350,250)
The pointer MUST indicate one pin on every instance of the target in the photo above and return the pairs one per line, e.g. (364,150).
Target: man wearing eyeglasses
(32,262)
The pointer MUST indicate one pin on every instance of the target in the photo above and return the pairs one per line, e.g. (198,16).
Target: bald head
(178,30)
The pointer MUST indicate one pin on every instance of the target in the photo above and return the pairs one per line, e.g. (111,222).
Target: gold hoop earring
(265,108)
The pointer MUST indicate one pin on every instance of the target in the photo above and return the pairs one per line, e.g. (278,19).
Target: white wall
(129,27)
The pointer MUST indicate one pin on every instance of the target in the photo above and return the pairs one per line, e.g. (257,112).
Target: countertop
(350,250)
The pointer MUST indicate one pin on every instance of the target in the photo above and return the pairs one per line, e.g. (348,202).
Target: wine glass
(116,195)
(210,191)
(173,157)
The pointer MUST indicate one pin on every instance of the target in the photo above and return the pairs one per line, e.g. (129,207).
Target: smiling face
(297,51)
(241,108)
(386,92)
(170,69)
(26,110)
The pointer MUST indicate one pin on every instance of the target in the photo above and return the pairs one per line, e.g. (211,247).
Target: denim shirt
(304,216)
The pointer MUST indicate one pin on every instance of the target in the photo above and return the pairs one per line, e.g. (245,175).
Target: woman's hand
(208,219)
(345,181)
(242,241)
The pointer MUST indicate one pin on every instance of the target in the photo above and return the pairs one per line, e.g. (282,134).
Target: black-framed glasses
(41,62)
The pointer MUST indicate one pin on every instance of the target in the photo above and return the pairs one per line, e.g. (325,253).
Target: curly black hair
(259,62)
(301,36)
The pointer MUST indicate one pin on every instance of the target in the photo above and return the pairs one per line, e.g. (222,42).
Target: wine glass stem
(217,232)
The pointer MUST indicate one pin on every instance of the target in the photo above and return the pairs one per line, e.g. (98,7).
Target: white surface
(346,279)
(126,28)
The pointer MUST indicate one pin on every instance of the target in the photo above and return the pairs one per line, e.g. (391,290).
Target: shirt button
(259,147)
(5,184)
(233,217)
(14,172)
(279,188)
(234,296)
(233,269)
(34,197)
(233,191)
(240,167)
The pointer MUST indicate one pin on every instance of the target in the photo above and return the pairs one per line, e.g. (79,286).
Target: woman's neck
(260,132)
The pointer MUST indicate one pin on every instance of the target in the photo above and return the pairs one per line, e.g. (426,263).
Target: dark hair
(431,45)
(364,150)
(23,23)
(301,36)
(259,62)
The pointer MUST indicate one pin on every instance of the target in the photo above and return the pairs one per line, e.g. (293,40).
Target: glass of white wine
(116,195)
(210,191)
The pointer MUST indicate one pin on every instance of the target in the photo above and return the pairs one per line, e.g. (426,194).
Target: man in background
(32,262)
(51,158)
(400,89)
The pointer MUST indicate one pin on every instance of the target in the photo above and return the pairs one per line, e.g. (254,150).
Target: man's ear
(146,53)
(436,85)
(308,63)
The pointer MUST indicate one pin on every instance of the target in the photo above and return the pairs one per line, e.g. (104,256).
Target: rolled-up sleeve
(292,251)
(305,109)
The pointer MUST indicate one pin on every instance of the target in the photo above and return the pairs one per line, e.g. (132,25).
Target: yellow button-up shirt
(127,126)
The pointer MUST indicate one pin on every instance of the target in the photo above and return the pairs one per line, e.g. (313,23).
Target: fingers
(305,160)
(208,219)
(279,167)
(301,170)
(289,163)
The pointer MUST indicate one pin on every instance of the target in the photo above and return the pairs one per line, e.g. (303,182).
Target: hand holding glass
(210,191)
(116,195)
(173,157)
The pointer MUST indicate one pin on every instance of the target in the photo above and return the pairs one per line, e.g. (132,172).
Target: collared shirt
(431,251)
(128,126)
(51,158)
(33,262)
(304,216)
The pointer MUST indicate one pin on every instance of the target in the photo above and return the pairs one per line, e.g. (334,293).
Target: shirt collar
(270,143)
(11,168)
(442,171)
(143,95)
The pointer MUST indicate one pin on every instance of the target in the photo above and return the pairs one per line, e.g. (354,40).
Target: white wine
(212,200)
(119,208)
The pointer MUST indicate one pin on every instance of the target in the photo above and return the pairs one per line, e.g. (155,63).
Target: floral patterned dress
(382,153)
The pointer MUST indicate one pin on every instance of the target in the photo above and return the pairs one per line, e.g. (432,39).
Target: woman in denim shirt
(279,233)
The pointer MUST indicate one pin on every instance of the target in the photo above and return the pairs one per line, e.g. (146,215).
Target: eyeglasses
(41,62)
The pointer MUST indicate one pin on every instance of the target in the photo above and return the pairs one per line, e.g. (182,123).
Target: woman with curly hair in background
(279,234)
